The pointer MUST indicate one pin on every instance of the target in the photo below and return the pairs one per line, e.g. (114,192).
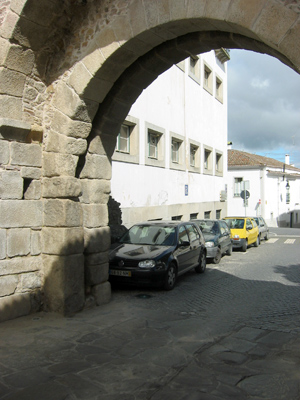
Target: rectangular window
(237,186)
(194,68)
(207,154)
(219,90)
(207,214)
(177,218)
(193,151)
(219,166)
(194,216)
(153,139)
(208,79)
(218,214)
(175,151)
(123,141)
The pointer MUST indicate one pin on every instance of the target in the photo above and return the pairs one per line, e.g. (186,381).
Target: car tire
(244,247)
(267,236)
(170,278)
(217,257)
(257,241)
(229,251)
(201,267)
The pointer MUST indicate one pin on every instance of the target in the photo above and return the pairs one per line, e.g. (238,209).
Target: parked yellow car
(244,231)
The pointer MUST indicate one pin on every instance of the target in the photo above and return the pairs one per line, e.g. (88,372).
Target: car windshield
(150,235)
(209,227)
(235,223)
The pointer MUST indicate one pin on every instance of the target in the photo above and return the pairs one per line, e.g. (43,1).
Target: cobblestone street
(233,332)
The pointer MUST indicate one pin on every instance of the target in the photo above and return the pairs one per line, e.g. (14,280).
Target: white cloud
(263,105)
(260,84)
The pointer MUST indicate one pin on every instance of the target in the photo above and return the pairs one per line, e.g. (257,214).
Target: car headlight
(209,244)
(147,264)
(236,237)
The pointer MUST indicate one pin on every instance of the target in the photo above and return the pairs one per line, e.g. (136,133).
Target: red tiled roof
(241,158)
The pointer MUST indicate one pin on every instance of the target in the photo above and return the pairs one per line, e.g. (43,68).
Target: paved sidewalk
(127,351)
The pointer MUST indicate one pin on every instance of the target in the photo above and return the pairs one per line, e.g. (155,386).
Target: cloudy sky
(263,106)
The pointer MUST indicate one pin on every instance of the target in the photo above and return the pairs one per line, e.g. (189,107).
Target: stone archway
(65,92)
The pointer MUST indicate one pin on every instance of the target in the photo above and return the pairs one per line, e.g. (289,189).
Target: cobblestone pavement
(231,333)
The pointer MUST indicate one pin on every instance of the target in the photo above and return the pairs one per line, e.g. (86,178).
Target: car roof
(163,223)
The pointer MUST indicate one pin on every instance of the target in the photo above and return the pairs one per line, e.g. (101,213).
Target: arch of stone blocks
(68,77)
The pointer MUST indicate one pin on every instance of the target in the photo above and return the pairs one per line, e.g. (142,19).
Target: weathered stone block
(95,215)
(96,167)
(103,145)
(62,241)
(61,123)
(20,213)
(96,258)
(64,283)
(62,213)
(63,187)
(30,281)
(96,274)
(93,61)
(11,185)
(8,284)
(8,25)
(12,129)
(4,152)
(19,265)
(26,154)
(15,306)
(36,247)
(2,244)
(55,164)
(68,102)
(30,172)
(19,59)
(18,242)
(11,82)
(60,143)
(11,107)
(96,240)
(102,293)
(33,191)
(95,191)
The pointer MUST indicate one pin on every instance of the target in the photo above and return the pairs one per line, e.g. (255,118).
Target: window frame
(219,165)
(151,129)
(195,71)
(197,167)
(219,89)
(180,140)
(235,193)
(208,81)
(207,161)
(133,156)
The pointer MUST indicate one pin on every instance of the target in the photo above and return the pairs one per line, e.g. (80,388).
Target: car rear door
(195,244)
(225,232)
(183,250)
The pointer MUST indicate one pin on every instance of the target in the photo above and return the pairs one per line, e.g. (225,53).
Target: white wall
(177,104)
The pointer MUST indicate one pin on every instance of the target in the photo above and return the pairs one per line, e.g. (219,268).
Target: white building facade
(273,186)
(170,160)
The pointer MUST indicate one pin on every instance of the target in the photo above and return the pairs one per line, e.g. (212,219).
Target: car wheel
(217,257)
(229,251)
(170,278)
(257,241)
(202,263)
(244,247)
(267,236)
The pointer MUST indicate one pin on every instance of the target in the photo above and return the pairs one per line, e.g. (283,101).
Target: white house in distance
(170,160)
(273,186)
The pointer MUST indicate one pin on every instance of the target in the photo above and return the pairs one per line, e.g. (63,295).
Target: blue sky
(263,106)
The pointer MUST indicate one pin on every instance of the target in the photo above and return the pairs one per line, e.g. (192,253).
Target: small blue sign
(186,190)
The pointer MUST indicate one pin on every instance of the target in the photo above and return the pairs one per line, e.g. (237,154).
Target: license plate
(117,272)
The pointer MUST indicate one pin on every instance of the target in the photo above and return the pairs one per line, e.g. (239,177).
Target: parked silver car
(263,228)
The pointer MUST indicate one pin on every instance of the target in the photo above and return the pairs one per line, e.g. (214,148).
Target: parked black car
(262,227)
(156,253)
(217,238)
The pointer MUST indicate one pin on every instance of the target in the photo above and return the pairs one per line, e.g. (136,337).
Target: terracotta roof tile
(241,158)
